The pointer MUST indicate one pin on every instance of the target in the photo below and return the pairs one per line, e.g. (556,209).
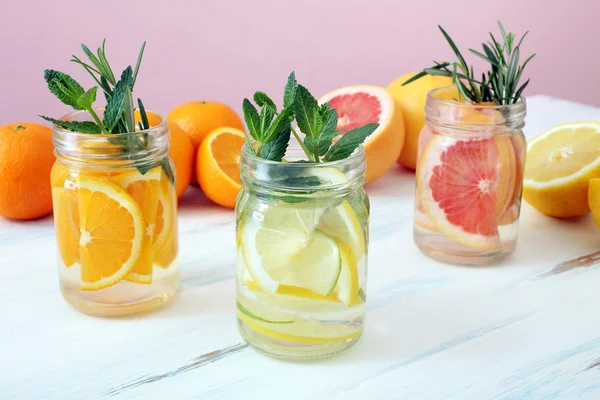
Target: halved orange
(112,232)
(66,221)
(218,167)
(145,191)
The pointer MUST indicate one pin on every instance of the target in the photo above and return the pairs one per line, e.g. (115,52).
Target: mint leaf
(330,119)
(306,108)
(86,100)
(252,119)
(76,126)
(261,99)
(65,88)
(266,118)
(323,144)
(275,149)
(117,101)
(290,90)
(324,110)
(349,142)
(278,126)
(249,144)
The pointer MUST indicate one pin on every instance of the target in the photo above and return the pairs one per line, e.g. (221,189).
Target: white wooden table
(528,328)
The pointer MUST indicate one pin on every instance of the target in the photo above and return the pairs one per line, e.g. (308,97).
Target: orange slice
(112,232)
(166,244)
(218,168)
(66,221)
(144,190)
(462,184)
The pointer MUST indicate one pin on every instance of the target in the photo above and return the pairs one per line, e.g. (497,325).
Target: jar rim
(431,96)
(354,157)
(58,129)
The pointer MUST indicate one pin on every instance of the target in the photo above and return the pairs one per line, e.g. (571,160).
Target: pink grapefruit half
(463,183)
(364,104)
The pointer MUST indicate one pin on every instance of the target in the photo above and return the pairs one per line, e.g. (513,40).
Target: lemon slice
(342,224)
(347,287)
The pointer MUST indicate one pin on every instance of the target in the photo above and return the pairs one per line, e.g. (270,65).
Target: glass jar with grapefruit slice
(469,178)
(115,211)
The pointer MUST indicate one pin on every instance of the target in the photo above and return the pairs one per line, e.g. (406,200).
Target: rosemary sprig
(501,83)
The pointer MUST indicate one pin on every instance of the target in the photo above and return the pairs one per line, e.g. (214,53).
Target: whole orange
(26,159)
(182,151)
(411,99)
(198,118)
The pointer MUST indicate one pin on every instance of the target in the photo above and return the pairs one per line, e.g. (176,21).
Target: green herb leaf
(306,109)
(76,126)
(168,168)
(117,102)
(266,118)
(261,99)
(65,88)
(144,117)
(249,144)
(86,100)
(252,119)
(106,66)
(461,59)
(137,64)
(322,145)
(279,125)
(289,93)
(350,142)
(275,149)
(362,295)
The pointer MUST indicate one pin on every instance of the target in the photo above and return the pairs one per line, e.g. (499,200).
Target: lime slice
(317,267)
(271,246)
(342,224)
(250,314)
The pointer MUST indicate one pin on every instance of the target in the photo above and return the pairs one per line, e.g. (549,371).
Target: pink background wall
(225,49)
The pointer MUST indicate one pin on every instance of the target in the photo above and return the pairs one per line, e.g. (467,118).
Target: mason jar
(469,179)
(302,243)
(115,216)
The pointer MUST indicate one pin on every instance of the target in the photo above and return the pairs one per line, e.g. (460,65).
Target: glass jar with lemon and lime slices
(115,212)
(302,239)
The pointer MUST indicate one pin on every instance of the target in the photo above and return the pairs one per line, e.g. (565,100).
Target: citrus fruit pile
(467,186)
(298,259)
(214,130)
(562,163)
(115,225)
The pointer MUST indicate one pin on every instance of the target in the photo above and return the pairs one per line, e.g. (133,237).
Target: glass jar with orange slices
(471,156)
(114,197)
(115,212)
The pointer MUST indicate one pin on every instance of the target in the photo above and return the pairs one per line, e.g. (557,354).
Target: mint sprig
(271,131)
(119,112)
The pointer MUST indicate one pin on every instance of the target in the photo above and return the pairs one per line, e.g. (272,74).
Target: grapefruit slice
(463,183)
(364,104)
